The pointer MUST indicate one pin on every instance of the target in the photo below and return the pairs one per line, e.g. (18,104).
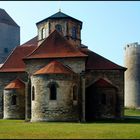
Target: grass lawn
(132,112)
(126,129)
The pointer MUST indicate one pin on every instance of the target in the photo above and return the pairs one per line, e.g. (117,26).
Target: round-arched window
(43,33)
(33,93)
(74,92)
(74,31)
(58,27)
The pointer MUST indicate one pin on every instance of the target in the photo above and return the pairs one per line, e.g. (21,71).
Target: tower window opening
(74,30)
(58,27)
(74,93)
(33,93)
(43,33)
(14,100)
(53,91)
(5,50)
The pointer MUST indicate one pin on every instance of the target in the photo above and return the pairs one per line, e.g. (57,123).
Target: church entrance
(100,101)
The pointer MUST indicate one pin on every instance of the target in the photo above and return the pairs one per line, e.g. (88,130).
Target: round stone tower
(54,94)
(14,100)
(132,75)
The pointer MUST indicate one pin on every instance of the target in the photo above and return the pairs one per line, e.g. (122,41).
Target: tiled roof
(59,15)
(55,46)
(98,62)
(5,18)
(54,67)
(103,83)
(31,42)
(15,84)
(14,62)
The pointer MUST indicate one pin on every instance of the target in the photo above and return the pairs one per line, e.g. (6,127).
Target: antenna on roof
(59,6)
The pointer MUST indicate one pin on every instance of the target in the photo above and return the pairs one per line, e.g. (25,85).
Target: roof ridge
(8,58)
(59,14)
(6,18)
(16,83)
(54,37)
(94,54)
(41,43)
(27,42)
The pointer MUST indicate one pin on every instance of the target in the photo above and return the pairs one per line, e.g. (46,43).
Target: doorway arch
(101,100)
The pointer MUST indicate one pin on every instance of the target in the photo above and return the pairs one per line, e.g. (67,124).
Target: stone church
(54,77)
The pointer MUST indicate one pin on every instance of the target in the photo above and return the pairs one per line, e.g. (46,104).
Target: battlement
(132,45)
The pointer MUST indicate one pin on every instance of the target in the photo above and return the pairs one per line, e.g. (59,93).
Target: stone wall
(5,79)
(35,64)
(16,111)
(61,109)
(116,77)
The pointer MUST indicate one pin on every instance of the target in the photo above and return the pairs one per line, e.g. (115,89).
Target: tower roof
(15,84)
(55,46)
(5,18)
(54,67)
(59,15)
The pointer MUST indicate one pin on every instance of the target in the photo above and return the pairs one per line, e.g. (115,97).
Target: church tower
(9,35)
(68,26)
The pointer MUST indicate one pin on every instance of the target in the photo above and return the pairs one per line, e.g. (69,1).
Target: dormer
(68,26)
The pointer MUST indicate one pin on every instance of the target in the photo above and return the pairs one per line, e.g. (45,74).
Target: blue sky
(107,25)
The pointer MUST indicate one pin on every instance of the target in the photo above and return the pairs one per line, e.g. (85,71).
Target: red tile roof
(15,84)
(14,62)
(54,67)
(31,42)
(98,62)
(55,46)
(103,83)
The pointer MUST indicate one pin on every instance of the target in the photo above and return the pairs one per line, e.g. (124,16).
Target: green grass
(127,129)
(132,112)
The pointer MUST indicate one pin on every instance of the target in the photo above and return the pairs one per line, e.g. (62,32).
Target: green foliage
(105,129)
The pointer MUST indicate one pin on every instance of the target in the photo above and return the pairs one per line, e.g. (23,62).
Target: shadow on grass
(126,119)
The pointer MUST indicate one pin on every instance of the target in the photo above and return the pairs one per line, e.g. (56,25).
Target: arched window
(58,27)
(40,34)
(74,31)
(53,92)
(74,93)
(14,100)
(33,93)
(43,33)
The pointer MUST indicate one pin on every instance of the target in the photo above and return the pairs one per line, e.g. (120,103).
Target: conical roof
(5,18)
(55,46)
(15,84)
(54,67)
